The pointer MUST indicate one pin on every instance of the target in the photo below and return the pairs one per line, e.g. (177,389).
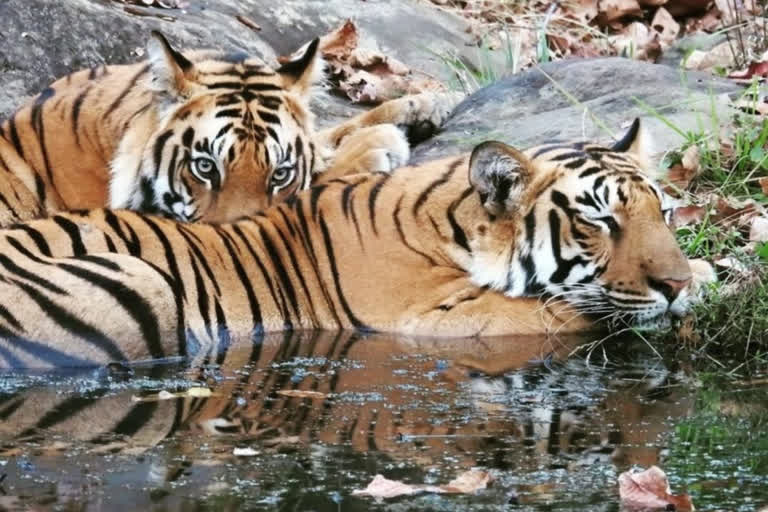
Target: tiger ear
(500,174)
(173,73)
(300,74)
(638,143)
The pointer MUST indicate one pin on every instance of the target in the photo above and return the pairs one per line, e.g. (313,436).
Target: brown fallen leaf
(686,215)
(301,393)
(366,75)
(734,213)
(649,489)
(755,69)
(610,11)
(681,175)
(466,483)
(764,185)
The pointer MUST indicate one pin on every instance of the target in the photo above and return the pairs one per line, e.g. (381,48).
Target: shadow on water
(554,431)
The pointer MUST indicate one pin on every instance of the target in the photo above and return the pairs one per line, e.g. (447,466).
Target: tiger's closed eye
(610,222)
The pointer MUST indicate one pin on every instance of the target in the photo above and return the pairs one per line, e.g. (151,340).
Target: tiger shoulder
(558,238)
(195,136)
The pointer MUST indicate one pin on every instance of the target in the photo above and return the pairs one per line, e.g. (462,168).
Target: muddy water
(554,431)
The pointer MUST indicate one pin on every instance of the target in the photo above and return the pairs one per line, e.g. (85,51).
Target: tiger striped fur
(466,246)
(195,136)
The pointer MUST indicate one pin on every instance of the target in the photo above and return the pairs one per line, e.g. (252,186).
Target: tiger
(195,136)
(558,238)
(379,395)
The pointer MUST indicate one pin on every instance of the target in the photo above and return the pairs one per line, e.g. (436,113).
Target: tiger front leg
(470,311)
(381,148)
(418,115)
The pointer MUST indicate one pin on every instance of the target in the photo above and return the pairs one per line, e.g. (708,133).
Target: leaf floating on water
(301,393)
(244,452)
(466,483)
(194,392)
(650,489)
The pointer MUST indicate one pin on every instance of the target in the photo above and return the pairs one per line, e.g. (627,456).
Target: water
(554,431)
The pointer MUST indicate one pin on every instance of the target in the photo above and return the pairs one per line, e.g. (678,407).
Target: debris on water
(301,393)
(244,452)
(466,483)
(193,392)
(650,489)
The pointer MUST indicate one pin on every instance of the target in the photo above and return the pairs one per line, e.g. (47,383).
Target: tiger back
(498,242)
(202,135)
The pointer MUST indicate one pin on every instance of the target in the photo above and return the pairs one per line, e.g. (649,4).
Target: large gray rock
(41,40)
(552,103)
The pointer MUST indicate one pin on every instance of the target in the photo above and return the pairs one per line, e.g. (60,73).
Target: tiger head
(589,226)
(229,137)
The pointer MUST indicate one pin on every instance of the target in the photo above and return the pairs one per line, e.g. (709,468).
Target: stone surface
(552,103)
(41,40)
(44,39)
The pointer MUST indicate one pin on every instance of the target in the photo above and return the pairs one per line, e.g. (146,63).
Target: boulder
(41,40)
(585,99)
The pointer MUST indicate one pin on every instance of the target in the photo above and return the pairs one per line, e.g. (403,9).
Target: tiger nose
(670,288)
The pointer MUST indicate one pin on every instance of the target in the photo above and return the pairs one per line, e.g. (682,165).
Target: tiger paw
(380,148)
(421,115)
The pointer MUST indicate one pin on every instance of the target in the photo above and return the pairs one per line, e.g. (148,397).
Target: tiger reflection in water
(377,398)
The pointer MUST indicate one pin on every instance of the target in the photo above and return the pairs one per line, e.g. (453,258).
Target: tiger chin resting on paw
(502,242)
(194,136)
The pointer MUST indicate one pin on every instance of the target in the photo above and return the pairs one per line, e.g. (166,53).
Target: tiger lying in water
(465,246)
(199,136)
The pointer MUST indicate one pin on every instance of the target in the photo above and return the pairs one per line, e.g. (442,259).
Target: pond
(318,415)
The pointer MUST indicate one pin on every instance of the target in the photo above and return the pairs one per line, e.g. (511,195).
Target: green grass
(729,331)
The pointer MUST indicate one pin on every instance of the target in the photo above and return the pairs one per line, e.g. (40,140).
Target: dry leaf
(649,489)
(613,10)
(755,69)
(665,25)
(466,483)
(733,264)
(764,185)
(301,393)
(738,215)
(365,75)
(758,231)
(687,170)
(687,215)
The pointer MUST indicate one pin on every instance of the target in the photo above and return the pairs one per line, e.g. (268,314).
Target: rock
(528,108)
(41,40)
